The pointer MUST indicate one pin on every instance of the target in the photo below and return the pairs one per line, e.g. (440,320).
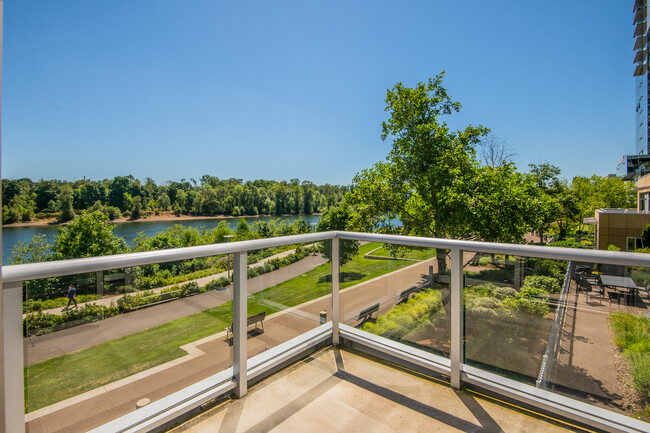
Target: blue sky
(173,89)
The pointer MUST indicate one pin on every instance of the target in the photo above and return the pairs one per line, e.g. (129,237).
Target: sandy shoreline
(154,218)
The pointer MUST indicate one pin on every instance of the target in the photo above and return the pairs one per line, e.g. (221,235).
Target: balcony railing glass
(470,310)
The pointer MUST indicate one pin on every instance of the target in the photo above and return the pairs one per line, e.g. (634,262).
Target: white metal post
(456,332)
(239,359)
(335,291)
(12,342)
(4,421)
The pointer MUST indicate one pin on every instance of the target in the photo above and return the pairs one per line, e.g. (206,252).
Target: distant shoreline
(155,218)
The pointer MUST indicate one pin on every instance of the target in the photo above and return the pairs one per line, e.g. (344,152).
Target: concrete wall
(615,228)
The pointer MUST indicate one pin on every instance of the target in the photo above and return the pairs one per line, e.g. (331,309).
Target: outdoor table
(622,282)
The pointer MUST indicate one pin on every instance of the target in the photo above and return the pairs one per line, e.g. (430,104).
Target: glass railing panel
(581,331)
(288,288)
(604,353)
(135,336)
(400,293)
(510,305)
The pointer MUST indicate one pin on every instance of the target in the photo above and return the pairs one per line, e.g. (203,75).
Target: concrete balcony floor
(346,391)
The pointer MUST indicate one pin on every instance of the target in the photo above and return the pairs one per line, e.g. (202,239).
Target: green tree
(426,178)
(36,251)
(547,178)
(136,208)
(504,203)
(337,219)
(88,235)
(66,211)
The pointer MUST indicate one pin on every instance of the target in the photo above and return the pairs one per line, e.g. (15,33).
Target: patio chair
(592,289)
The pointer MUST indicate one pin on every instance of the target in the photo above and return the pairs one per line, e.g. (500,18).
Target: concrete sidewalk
(69,340)
(213,354)
(107,300)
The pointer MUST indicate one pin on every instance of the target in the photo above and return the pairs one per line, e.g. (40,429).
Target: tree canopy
(432,184)
(88,235)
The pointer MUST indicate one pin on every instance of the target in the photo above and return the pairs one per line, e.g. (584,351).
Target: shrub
(569,243)
(42,323)
(533,307)
(217,284)
(629,329)
(487,302)
(504,292)
(548,284)
(640,364)
(479,312)
(533,293)
(405,317)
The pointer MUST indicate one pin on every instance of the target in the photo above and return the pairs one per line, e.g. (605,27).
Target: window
(633,243)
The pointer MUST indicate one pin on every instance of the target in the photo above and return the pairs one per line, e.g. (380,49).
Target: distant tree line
(24,200)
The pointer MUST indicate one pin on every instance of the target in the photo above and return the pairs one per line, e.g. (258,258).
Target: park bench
(404,294)
(366,314)
(250,320)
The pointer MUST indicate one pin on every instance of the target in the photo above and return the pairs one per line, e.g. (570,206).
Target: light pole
(313,229)
(228,237)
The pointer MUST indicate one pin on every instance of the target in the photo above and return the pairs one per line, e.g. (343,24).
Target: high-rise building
(641,75)
(632,166)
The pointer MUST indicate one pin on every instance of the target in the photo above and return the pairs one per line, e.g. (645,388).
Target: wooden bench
(365,314)
(404,294)
(250,320)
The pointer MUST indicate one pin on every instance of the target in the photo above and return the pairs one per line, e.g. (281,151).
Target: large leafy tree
(88,235)
(425,181)
(432,184)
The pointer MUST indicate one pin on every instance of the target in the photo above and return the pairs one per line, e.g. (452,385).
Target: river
(11,236)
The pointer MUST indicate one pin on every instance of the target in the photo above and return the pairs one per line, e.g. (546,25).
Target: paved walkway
(586,362)
(107,300)
(80,337)
(213,354)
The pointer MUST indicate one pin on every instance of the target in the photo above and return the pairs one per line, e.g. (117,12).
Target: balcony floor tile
(345,391)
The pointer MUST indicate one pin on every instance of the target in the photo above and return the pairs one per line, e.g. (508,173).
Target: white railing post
(239,358)
(456,331)
(12,347)
(335,291)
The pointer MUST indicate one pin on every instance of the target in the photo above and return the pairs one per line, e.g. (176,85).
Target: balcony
(459,312)
(355,387)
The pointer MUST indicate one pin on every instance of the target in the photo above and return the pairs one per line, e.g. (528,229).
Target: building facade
(638,164)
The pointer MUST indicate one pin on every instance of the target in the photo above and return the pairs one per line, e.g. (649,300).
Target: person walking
(72,296)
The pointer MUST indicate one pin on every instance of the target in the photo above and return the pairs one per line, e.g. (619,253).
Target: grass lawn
(414,254)
(68,375)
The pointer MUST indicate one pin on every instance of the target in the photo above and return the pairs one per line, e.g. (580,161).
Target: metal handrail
(57,268)
(12,277)
(32,271)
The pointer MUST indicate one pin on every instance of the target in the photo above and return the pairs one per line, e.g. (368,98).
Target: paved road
(70,340)
(214,354)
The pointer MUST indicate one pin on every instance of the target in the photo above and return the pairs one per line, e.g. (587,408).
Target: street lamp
(228,237)
(313,229)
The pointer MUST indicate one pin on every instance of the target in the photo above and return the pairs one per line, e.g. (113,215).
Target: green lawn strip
(68,375)
(317,282)
(414,254)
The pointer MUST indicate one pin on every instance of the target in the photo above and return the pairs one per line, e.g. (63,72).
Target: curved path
(48,346)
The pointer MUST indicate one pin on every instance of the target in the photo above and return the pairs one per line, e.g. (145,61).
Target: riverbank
(166,216)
